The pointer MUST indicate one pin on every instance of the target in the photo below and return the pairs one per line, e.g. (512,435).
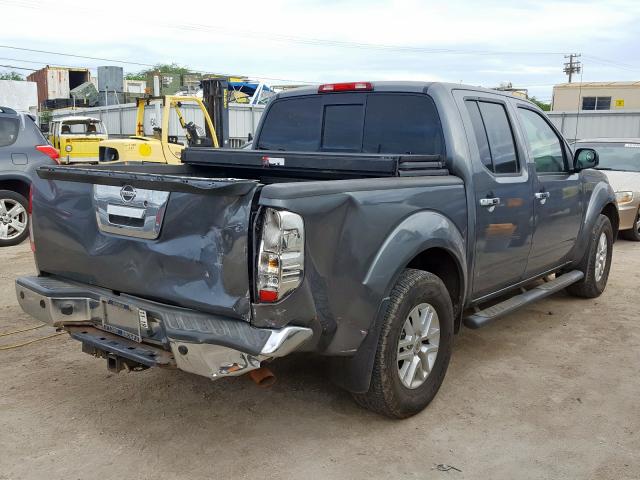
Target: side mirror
(585,158)
(249,137)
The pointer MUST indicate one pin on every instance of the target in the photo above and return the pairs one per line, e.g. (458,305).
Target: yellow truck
(160,146)
(77,138)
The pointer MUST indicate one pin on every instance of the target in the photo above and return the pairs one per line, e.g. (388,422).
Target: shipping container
(56,82)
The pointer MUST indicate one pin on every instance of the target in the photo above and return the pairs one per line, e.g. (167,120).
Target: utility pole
(572,66)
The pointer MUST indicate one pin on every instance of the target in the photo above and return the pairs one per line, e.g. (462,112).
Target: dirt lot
(550,392)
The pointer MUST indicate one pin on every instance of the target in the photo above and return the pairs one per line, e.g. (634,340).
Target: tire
(595,278)
(10,234)
(633,234)
(388,394)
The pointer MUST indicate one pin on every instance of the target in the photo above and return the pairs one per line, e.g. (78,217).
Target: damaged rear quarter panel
(346,224)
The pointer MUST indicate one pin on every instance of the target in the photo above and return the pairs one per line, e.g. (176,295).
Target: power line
(311,40)
(17,68)
(127,62)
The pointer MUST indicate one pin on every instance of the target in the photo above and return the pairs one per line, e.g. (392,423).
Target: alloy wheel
(418,345)
(13,219)
(601,256)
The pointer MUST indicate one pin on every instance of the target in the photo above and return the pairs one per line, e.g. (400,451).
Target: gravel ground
(550,392)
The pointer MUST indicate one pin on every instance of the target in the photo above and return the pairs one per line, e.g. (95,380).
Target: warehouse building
(596,96)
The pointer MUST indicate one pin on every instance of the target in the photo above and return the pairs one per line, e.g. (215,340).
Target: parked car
(368,222)
(77,138)
(620,161)
(22,150)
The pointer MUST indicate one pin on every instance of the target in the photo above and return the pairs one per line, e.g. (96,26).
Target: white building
(19,95)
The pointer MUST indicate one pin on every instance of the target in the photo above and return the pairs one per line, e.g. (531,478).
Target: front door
(503,196)
(558,196)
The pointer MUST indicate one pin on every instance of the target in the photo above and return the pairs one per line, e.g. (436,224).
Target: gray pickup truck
(368,222)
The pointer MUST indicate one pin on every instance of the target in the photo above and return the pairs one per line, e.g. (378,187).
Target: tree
(544,106)
(159,67)
(11,76)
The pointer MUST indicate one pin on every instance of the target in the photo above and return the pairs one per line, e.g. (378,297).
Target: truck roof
(77,118)
(399,86)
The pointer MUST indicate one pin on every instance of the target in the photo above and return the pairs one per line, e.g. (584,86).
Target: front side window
(494,136)
(9,128)
(544,144)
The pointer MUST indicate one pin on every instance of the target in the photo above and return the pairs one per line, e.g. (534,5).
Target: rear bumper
(200,343)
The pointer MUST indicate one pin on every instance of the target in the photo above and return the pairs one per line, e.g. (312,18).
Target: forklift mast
(215,96)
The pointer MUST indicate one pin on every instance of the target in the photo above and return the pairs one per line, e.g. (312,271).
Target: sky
(313,41)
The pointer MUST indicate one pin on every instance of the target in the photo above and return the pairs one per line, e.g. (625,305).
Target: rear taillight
(281,255)
(30,225)
(50,152)
(345,87)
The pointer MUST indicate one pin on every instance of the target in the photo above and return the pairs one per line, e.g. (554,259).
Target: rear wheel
(414,347)
(14,222)
(633,234)
(597,262)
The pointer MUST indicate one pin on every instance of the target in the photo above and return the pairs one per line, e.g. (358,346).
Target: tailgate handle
(122,211)
(128,211)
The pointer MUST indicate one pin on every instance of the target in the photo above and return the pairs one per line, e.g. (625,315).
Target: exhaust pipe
(263,377)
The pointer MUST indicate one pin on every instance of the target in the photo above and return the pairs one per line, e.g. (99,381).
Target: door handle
(542,196)
(490,203)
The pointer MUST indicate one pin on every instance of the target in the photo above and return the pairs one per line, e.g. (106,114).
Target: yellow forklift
(160,146)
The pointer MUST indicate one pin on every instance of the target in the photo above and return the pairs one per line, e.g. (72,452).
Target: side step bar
(486,316)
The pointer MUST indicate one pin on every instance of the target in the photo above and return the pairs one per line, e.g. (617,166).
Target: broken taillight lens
(281,255)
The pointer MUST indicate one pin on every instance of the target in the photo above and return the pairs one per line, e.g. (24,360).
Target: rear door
(558,196)
(503,193)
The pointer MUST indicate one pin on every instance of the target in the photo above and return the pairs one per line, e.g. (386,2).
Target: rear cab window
(372,122)
(9,129)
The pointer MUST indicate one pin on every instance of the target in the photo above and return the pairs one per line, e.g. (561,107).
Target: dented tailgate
(174,239)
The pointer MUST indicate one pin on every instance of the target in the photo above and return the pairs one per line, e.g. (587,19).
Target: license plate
(123,320)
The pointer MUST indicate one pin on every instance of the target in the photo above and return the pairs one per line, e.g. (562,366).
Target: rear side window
(293,125)
(494,136)
(9,128)
(480,134)
(393,123)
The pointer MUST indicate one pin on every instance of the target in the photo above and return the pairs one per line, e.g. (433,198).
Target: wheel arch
(610,210)
(447,267)
(426,240)
(16,184)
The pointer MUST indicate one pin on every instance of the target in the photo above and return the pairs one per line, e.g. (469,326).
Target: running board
(486,316)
